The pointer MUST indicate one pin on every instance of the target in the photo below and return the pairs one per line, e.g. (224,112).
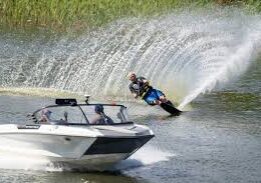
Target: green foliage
(89,13)
(253,5)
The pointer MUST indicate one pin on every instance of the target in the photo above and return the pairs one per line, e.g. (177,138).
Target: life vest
(140,87)
(145,90)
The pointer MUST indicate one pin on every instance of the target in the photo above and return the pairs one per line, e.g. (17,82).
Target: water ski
(169,107)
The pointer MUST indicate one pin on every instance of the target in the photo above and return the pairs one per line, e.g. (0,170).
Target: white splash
(147,155)
(183,54)
(236,64)
(24,163)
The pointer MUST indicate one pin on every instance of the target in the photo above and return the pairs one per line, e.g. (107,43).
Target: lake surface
(218,140)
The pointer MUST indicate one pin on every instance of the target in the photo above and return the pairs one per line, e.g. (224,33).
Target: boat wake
(145,156)
(8,161)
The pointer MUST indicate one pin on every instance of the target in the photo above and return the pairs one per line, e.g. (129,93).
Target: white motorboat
(64,133)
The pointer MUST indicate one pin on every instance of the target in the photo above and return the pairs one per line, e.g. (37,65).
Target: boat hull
(93,153)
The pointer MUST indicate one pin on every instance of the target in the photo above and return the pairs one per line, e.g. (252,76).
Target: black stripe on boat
(109,145)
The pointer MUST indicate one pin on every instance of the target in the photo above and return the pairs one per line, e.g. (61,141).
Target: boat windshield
(79,114)
(118,114)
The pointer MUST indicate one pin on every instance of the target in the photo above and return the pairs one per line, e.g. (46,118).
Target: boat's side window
(122,115)
(119,115)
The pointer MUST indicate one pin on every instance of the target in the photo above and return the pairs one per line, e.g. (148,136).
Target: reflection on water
(65,177)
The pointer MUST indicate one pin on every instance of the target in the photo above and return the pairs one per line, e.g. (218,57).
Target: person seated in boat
(100,117)
(140,87)
(45,115)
